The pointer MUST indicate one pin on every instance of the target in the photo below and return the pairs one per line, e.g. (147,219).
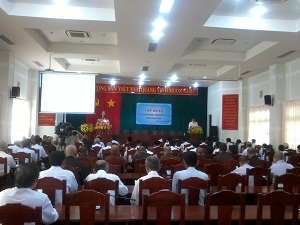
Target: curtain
(259,124)
(291,122)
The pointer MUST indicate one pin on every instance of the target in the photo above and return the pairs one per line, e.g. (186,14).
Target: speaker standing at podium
(193,123)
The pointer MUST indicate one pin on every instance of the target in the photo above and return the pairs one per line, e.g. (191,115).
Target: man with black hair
(100,171)
(152,165)
(26,176)
(43,155)
(57,160)
(190,161)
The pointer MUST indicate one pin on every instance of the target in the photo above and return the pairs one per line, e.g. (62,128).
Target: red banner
(46,119)
(146,89)
(110,104)
(230,113)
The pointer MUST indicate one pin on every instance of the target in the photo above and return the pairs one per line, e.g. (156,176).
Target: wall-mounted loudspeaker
(15,92)
(268,100)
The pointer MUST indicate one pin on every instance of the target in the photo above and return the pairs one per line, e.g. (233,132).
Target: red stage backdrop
(110,103)
(230,113)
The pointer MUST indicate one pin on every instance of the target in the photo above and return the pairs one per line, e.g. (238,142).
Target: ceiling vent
(152,47)
(145,68)
(38,64)
(269,1)
(223,41)
(6,40)
(286,54)
(246,72)
(77,34)
(91,60)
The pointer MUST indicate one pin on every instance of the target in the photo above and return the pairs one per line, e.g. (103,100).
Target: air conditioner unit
(269,1)
(77,34)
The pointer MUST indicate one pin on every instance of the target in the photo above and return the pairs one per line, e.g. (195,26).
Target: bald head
(71,150)
(115,150)
(100,165)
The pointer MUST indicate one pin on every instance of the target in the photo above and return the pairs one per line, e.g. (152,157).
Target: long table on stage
(131,213)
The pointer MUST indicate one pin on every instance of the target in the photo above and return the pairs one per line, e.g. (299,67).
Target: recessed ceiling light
(195,84)
(141,83)
(168,83)
(258,11)
(156,35)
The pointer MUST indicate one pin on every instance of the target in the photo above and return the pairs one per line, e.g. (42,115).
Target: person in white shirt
(190,160)
(107,148)
(241,170)
(193,123)
(98,143)
(26,145)
(43,155)
(152,165)
(245,151)
(185,142)
(100,169)
(26,176)
(279,166)
(57,160)
(10,160)
(14,148)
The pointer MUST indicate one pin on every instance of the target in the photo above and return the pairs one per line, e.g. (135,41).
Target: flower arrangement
(195,130)
(86,128)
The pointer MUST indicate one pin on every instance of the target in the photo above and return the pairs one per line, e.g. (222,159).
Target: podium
(195,137)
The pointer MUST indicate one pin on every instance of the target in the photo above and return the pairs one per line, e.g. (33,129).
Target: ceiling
(204,41)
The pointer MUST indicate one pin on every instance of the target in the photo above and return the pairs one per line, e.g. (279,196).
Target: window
(259,124)
(291,123)
(20,120)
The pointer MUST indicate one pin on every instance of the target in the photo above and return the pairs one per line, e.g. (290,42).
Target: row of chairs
(163,200)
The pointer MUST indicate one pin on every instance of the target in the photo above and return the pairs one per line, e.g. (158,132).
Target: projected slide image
(153,114)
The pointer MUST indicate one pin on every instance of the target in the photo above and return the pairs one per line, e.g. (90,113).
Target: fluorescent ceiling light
(166,6)
(168,83)
(141,83)
(142,76)
(174,78)
(258,11)
(156,35)
(159,24)
(113,81)
(195,84)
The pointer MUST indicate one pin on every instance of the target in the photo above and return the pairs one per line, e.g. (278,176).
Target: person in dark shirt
(71,154)
(223,155)
(252,156)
